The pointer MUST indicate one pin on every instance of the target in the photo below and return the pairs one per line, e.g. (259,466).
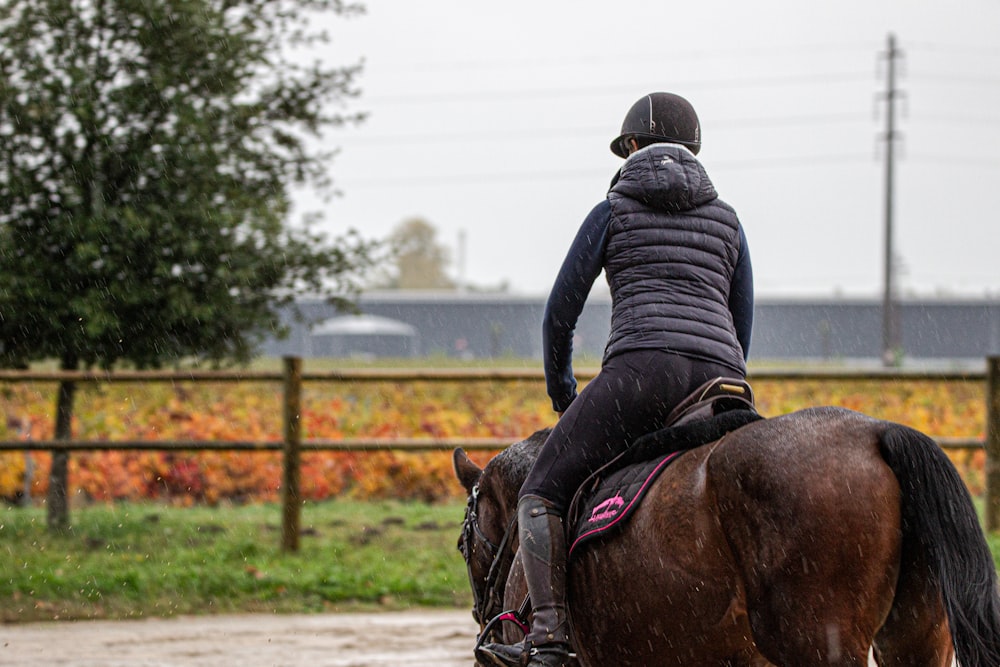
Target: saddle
(609,496)
(712,398)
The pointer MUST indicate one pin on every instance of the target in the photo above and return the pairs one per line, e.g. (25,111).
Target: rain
(273,288)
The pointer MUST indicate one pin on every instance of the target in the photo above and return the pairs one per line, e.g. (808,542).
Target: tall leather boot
(543,553)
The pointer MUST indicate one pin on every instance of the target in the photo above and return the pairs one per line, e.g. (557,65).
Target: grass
(138,560)
(147,560)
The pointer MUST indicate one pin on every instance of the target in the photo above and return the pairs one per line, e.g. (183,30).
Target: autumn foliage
(252,411)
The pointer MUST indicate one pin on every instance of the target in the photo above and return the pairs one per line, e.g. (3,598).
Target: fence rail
(358,445)
(460,374)
(293,443)
(311,445)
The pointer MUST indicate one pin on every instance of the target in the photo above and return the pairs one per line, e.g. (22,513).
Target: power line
(699,55)
(961,160)
(507,178)
(812,79)
(956,79)
(792,162)
(959,120)
(964,50)
(360,138)
(600,131)
(785,121)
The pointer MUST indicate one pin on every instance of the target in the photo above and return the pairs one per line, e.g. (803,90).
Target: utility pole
(460,282)
(891,339)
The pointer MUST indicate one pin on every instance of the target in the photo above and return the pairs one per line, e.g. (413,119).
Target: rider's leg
(543,554)
(631,396)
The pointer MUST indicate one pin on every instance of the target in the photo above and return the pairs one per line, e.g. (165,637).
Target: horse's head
(483,531)
(489,537)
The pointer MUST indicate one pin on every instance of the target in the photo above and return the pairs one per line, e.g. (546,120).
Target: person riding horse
(676,260)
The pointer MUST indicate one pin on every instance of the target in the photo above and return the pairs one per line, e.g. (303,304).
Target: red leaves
(252,411)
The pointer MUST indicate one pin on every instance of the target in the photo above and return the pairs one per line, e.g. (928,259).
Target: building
(480,326)
(361,335)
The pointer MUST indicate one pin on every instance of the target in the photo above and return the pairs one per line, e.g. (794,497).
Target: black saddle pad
(610,496)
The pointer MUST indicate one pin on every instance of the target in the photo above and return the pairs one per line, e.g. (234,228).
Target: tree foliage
(147,148)
(418,260)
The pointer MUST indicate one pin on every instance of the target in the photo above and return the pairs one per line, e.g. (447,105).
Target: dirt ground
(416,639)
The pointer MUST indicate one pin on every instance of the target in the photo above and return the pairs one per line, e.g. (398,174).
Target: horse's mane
(511,466)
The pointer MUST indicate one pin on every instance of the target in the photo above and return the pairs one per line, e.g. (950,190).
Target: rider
(677,263)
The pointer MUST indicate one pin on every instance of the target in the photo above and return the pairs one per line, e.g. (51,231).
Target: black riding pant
(631,396)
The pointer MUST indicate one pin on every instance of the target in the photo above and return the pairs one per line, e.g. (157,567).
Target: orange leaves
(956,409)
(252,411)
(12,465)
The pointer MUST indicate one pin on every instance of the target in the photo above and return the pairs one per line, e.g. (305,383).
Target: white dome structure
(363,336)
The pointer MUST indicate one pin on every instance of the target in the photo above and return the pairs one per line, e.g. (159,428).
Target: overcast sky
(492,122)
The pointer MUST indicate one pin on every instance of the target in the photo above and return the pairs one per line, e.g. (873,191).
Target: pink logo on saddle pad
(607,510)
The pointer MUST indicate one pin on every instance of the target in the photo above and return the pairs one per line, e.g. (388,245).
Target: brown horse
(802,540)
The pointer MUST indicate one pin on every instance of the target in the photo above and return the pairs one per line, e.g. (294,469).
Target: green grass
(126,561)
(141,560)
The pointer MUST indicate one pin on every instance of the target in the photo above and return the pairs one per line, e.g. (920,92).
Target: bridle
(487,607)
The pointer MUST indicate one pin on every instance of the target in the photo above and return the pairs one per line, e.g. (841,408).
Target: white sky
(492,121)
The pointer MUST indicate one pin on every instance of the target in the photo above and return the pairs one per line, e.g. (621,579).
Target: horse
(809,539)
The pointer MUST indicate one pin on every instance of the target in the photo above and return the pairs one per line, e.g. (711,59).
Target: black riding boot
(543,553)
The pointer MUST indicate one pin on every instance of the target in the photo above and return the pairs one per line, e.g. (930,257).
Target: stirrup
(518,655)
(502,655)
(550,656)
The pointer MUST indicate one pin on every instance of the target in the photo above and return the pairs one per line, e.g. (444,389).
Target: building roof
(363,325)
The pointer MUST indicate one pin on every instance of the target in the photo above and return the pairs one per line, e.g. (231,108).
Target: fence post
(291,498)
(993,443)
(57,500)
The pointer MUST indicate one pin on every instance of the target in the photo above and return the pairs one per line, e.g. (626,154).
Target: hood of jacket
(666,177)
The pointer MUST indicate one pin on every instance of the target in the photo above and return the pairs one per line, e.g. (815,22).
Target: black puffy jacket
(671,252)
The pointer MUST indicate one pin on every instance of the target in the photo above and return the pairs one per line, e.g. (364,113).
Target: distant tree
(147,148)
(417,260)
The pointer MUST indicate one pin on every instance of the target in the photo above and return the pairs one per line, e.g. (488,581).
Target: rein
(488,611)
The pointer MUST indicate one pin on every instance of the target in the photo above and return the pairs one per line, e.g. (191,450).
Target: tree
(417,260)
(147,149)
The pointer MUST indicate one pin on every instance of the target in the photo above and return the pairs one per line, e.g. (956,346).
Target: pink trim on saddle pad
(610,507)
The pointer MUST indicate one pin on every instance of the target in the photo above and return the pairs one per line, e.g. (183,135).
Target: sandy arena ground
(416,639)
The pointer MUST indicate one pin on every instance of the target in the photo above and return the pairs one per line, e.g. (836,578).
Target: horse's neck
(511,467)
(506,486)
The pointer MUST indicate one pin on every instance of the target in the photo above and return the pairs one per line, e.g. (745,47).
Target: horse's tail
(939,518)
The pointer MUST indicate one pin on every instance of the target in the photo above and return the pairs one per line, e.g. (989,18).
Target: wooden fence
(293,443)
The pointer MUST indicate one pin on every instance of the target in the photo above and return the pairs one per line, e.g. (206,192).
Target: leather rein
(487,607)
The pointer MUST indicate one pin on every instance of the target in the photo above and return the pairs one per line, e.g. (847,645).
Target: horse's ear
(467,472)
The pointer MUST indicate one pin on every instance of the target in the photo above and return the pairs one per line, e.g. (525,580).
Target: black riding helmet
(658,118)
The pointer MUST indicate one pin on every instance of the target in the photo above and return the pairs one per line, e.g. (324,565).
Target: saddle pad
(608,498)
(614,499)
